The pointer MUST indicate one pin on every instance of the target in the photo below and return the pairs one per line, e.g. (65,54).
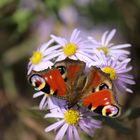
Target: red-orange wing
(97,94)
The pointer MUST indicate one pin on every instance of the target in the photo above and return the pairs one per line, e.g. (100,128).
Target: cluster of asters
(110,58)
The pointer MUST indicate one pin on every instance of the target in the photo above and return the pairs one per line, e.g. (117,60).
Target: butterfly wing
(60,80)
(71,71)
(97,94)
(48,81)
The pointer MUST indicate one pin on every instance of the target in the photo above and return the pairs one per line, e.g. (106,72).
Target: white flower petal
(42,66)
(73,57)
(55,54)
(104,37)
(74,35)
(93,40)
(51,49)
(61,132)
(30,69)
(59,40)
(76,135)
(55,125)
(110,36)
(42,102)
(120,46)
(120,52)
(128,81)
(45,46)
(37,94)
(70,133)
(54,115)
(61,57)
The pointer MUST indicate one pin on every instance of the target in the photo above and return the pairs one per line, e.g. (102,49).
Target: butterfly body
(69,80)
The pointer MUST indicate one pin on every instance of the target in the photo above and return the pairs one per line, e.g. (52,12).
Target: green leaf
(22,18)
(4,2)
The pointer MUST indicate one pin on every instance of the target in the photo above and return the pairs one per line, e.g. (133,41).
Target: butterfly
(72,81)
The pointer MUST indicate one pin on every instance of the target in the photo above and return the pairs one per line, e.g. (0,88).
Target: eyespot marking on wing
(37,82)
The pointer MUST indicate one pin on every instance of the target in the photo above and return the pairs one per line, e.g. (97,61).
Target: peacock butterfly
(72,81)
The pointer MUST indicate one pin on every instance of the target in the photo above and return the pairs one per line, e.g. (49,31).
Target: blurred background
(26,24)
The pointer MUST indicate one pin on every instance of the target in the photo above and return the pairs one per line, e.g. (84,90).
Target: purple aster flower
(42,58)
(49,101)
(69,120)
(109,49)
(74,48)
(117,70)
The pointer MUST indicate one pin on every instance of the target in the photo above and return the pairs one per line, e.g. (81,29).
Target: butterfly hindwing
(97,94)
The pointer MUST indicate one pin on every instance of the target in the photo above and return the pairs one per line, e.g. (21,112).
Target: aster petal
(51,49)
(129,90)
(124,70)
(85,129)
(45,46)
(91,122)
(55,54)
(87,50)
(120,46)
(37,94)
(61,132)
(45,104)
(29,64)
(78,42)
(42,102)
(76,135)
(119,52)
(59,40)
(84,58)
(54,126)
(110,36)
(43,65)
(69,133)
(54,115)
(93,40)
(126,61)
(85,54)
(126,76)
(61,57)
(129,81)
(104,37)
(30,69)
(74,35)
(117,87)
(73,57)
(52,105)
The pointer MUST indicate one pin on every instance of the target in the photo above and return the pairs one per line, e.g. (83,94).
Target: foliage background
(25,24)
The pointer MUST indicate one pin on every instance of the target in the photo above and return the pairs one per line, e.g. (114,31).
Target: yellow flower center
(71,116)
(104,49)
(36,57)
(69,49)
(111,72)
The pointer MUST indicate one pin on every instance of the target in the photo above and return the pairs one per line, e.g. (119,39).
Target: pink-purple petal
(76,135)
(61,132)
(55,125)
(104,38)
(37,94)
(70,133)
(110,36)
(42,102)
